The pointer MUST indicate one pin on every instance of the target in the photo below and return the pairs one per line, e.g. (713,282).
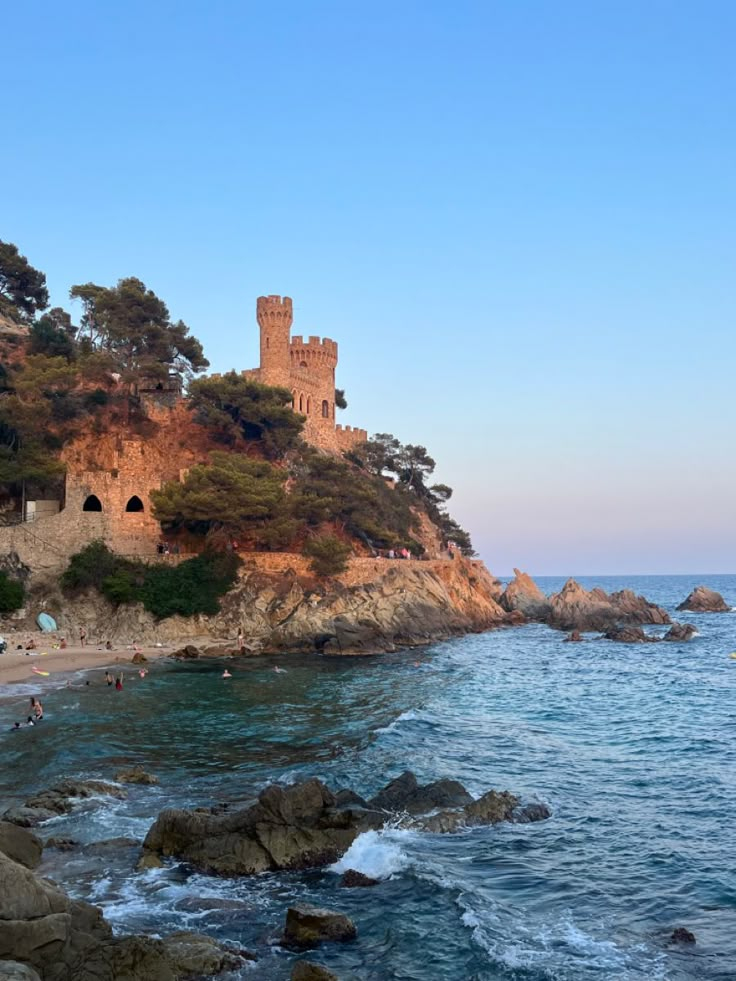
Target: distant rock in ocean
(704,600)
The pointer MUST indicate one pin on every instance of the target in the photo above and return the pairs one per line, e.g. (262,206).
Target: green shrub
(194,586)
(12,594)
(89,567)
(328,553)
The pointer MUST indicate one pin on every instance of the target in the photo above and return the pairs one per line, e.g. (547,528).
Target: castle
(307,369)
(109,476)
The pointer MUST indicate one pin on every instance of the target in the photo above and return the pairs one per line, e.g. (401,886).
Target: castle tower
(274,319)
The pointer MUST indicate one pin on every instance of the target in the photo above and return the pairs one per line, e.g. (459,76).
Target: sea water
(633,748)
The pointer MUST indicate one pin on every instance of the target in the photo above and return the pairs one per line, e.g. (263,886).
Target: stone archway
(92,503)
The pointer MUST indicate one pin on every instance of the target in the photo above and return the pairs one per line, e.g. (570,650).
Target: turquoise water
(632,747)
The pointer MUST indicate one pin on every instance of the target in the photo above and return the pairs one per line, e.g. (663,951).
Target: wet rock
(302,827)
(193,954)
(395,794)
(135,774)
(680,632)
(148,860)
(61,844)
(704,600)
(574,637)
(356,880)
(308,971)
(531,812)
(681,935)
(14,971)
(59,799)
(492,808)
(293,827)
(139,658)
(629,635)
(20,845)
(522,595)
(346,797)
(188,652)
(575,608)
(28,817)
(307,926)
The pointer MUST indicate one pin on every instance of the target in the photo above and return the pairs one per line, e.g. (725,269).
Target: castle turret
(274,318)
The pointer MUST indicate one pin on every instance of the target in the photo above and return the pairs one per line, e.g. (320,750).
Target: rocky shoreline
(47,936)
(394,605)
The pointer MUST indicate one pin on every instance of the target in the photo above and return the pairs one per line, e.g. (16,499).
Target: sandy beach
(17,665)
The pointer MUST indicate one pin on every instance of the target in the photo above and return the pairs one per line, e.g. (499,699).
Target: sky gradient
(517,220)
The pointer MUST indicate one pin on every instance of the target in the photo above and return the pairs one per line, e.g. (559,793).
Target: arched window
(303,364)
(301,403)
(293,400)
(92,503)
(325,409)
(309,404)
(134,504)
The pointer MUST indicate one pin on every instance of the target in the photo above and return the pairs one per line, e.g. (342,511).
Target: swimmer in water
(109,679)
(279,670)
(36,709)
(143,672)
(226,674)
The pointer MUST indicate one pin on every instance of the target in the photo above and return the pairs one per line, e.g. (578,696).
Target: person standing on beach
(241,640)
(83,636)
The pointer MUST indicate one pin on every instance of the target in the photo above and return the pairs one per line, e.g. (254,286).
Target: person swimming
(226,674)
(119,682)
(279,670)
(36,709)
(109,679)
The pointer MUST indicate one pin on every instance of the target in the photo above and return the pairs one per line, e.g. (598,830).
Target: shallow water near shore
(633,748)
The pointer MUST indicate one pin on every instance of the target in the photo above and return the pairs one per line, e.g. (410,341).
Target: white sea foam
(378,854)
(411,715)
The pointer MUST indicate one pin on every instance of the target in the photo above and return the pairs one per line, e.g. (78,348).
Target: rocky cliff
(376,606)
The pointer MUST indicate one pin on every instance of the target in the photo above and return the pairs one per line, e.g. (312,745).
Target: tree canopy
(237,409)
(22,288)
(232,492)
(132,325)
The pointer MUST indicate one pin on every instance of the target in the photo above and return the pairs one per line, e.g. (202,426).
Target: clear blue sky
(517,219)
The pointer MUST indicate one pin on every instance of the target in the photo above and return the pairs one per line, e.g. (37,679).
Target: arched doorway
(134,504)
(93,503)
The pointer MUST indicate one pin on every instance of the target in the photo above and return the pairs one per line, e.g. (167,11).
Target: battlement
(322,347)
(274,311)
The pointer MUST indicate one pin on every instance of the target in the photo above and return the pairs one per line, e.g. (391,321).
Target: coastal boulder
(20,845)
(405,794)
(704,600)
(629,635)
(522,595)
(187,653)
(307,926)
(135,774)
(575,608)
(307,971)
(294,827)
(357,880)
(680,632)
(59,799)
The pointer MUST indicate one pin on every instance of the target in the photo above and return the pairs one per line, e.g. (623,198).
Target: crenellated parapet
(319,354)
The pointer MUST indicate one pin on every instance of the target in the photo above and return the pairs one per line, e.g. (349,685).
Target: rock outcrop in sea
(704,600)
(48,936)
(307,825)
(576,609)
